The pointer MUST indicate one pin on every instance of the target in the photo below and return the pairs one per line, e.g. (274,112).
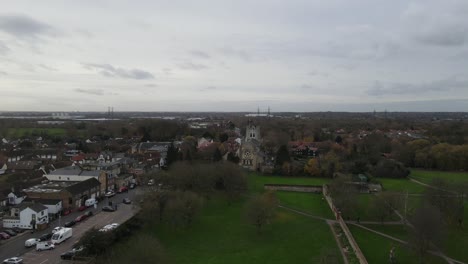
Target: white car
(31,242)
(109,194)
(58,228)
(13,260)
(109,227)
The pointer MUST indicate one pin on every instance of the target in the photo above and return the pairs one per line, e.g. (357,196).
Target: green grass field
(221,235)
(401,185)
(376,248)
(365,211)
(20,132)
(257,181)
(427,176)
(397,231)
(307,202)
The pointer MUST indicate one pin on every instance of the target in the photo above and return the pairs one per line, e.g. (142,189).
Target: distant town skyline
(294,56)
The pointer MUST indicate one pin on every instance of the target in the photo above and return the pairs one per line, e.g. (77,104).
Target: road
(15,245)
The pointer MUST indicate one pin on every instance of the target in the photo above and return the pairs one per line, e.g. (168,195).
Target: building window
(60,177)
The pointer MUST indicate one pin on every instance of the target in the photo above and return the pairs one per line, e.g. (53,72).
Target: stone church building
(251,156)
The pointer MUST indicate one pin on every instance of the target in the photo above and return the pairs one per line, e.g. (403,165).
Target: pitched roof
(36,207)
(83,186)
(43,201)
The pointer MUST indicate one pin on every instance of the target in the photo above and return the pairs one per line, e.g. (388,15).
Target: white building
(15,198)
(23,216)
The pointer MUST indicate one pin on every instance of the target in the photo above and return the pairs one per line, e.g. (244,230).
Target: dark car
(45,237)
(18,230)
(71,253)
(89,213)
(70,223)
(66,211)
(108,209)
(127,201)
(4,235)
(10,232)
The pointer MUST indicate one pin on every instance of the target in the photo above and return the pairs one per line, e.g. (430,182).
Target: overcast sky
(295,55)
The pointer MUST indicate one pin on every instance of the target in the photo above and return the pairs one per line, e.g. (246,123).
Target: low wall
(293,188)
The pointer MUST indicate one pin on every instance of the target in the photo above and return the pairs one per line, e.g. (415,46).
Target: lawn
(456,241)
(257,181)
(401,185)
(376,248)
(365,211)
(307,202)
(221,235)
(427,176)
(397,231)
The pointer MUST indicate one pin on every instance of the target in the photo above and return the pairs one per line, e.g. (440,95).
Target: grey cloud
(306,87)
(167,71)
(111,71)
(22,26)
(45,67)
(242,54)
(192,66)
(152,85)
(444,85)
(3,48)
(2,73)
(455,35)
(200,54)
(209,88)
(90,91)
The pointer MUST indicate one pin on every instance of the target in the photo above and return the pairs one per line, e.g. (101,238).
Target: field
(427,176)
(376,248)
(401,185)
(221,235)
(20,132)
(307,202)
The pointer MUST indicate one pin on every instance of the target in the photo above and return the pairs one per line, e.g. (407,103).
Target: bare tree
(260,210)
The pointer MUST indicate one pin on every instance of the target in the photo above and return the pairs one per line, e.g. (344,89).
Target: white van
(44,246)
(90,202)
(31,242)
(61,235)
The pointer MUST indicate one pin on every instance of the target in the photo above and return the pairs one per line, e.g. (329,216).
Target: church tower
(252,132)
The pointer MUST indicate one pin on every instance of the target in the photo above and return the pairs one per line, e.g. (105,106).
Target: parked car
(123,189)
(127,201)
(71,253)
(31,242)
(13,260)
(45,237)
(58,228)
(66,211)
(109,194)
(10,232)
(70,223)
(151,182)
(44,246)
(18,230)
(108,209)
(4,235)
(132,185)
(89,213)
(82,208)
(80,218)
(109,227)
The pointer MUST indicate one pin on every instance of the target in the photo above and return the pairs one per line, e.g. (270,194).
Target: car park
(108,209)
(4,235)
(31,242)
(45,237)
(69,224)
(127,201)
(10,232)
(14,260)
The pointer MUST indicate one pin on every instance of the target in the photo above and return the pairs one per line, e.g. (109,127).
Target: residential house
(76,173)
(15,198)
(303,149)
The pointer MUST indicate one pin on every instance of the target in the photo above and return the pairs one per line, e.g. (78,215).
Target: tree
(171,156)
(344,195)
(260,210)
(312,168)
(387,168)
(282,156)
(182,209)
(223,137)
(427,230)
(232,180)
(339,139)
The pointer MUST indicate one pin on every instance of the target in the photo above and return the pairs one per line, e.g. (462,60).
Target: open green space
(376,248)
(221,235)
(397,231)
(20,132)
(257,181)
(456,239)
(401,185)
(311,203)
(427,176)
(365,210)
